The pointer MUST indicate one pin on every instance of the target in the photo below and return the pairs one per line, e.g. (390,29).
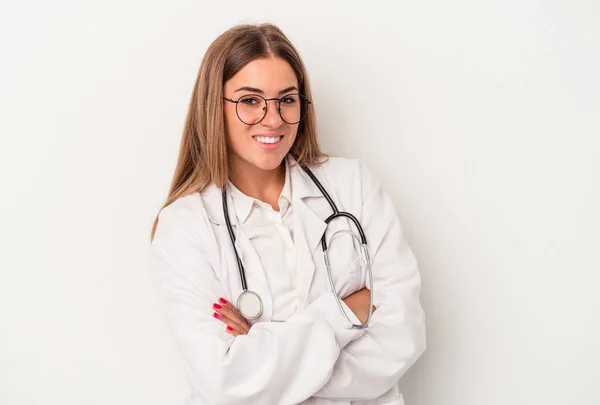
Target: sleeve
(370,366)
(275,363)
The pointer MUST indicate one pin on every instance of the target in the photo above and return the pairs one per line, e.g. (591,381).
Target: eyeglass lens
(251,109)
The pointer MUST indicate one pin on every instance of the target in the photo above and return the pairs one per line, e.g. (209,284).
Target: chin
(268,163)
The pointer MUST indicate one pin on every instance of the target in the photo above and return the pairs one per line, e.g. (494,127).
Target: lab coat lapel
(308,227)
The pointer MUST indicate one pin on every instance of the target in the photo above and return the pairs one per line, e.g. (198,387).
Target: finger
(229,323)
(229,306)
(227,309)
(237,321)
(234,315)
(231,318)
(232,331)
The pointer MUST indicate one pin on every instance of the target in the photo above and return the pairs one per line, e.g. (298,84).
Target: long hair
(203,152)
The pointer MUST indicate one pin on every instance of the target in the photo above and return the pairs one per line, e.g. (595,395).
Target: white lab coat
(312,358)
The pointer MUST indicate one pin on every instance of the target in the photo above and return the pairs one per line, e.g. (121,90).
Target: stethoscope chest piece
(249,304)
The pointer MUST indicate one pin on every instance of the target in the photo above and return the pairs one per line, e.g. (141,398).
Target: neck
(264,185)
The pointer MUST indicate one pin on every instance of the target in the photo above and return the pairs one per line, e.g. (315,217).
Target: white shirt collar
(243,203)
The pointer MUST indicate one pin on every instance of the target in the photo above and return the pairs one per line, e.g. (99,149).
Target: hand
(359,303)
(230,316)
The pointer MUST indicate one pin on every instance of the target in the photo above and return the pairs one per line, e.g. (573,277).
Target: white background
(480,118)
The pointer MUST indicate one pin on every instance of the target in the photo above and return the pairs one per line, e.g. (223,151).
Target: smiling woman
(261,315)
(261,147)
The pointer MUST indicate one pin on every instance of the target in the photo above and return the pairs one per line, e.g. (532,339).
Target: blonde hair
(203,152)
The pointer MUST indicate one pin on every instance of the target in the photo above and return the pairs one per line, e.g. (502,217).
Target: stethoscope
(250,304)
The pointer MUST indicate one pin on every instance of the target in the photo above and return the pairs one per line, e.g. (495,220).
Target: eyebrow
(259,91)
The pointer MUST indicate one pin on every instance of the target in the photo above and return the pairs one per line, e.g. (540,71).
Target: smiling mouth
(268,139)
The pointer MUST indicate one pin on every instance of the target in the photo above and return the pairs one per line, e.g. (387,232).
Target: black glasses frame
(302,113)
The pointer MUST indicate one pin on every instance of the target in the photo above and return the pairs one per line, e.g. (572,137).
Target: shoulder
(183,209)
(348,173)
(194,204)
(191,215)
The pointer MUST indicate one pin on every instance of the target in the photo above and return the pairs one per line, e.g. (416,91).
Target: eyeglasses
(252,108)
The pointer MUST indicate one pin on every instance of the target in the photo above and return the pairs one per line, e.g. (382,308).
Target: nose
(272,118)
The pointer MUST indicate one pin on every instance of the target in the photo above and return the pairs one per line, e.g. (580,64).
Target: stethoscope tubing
(336,214)
(232,237)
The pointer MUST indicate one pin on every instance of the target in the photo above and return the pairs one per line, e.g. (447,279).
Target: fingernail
(229,328)
(223,300)
(218,316)
(217,306)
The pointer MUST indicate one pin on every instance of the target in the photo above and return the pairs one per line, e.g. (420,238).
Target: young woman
(273,299)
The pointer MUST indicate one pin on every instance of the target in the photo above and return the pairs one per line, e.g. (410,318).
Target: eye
(250,101)
(289,100)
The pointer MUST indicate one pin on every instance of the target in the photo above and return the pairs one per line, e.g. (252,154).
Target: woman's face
(263,145)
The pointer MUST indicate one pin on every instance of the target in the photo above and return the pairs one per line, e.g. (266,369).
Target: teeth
(268,139)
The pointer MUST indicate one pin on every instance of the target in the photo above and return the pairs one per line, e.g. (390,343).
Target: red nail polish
(218,316)
(217,306)
(223,300)
(229,328)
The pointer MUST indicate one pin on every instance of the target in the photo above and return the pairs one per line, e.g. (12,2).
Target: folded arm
(274,363)
(371,365)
